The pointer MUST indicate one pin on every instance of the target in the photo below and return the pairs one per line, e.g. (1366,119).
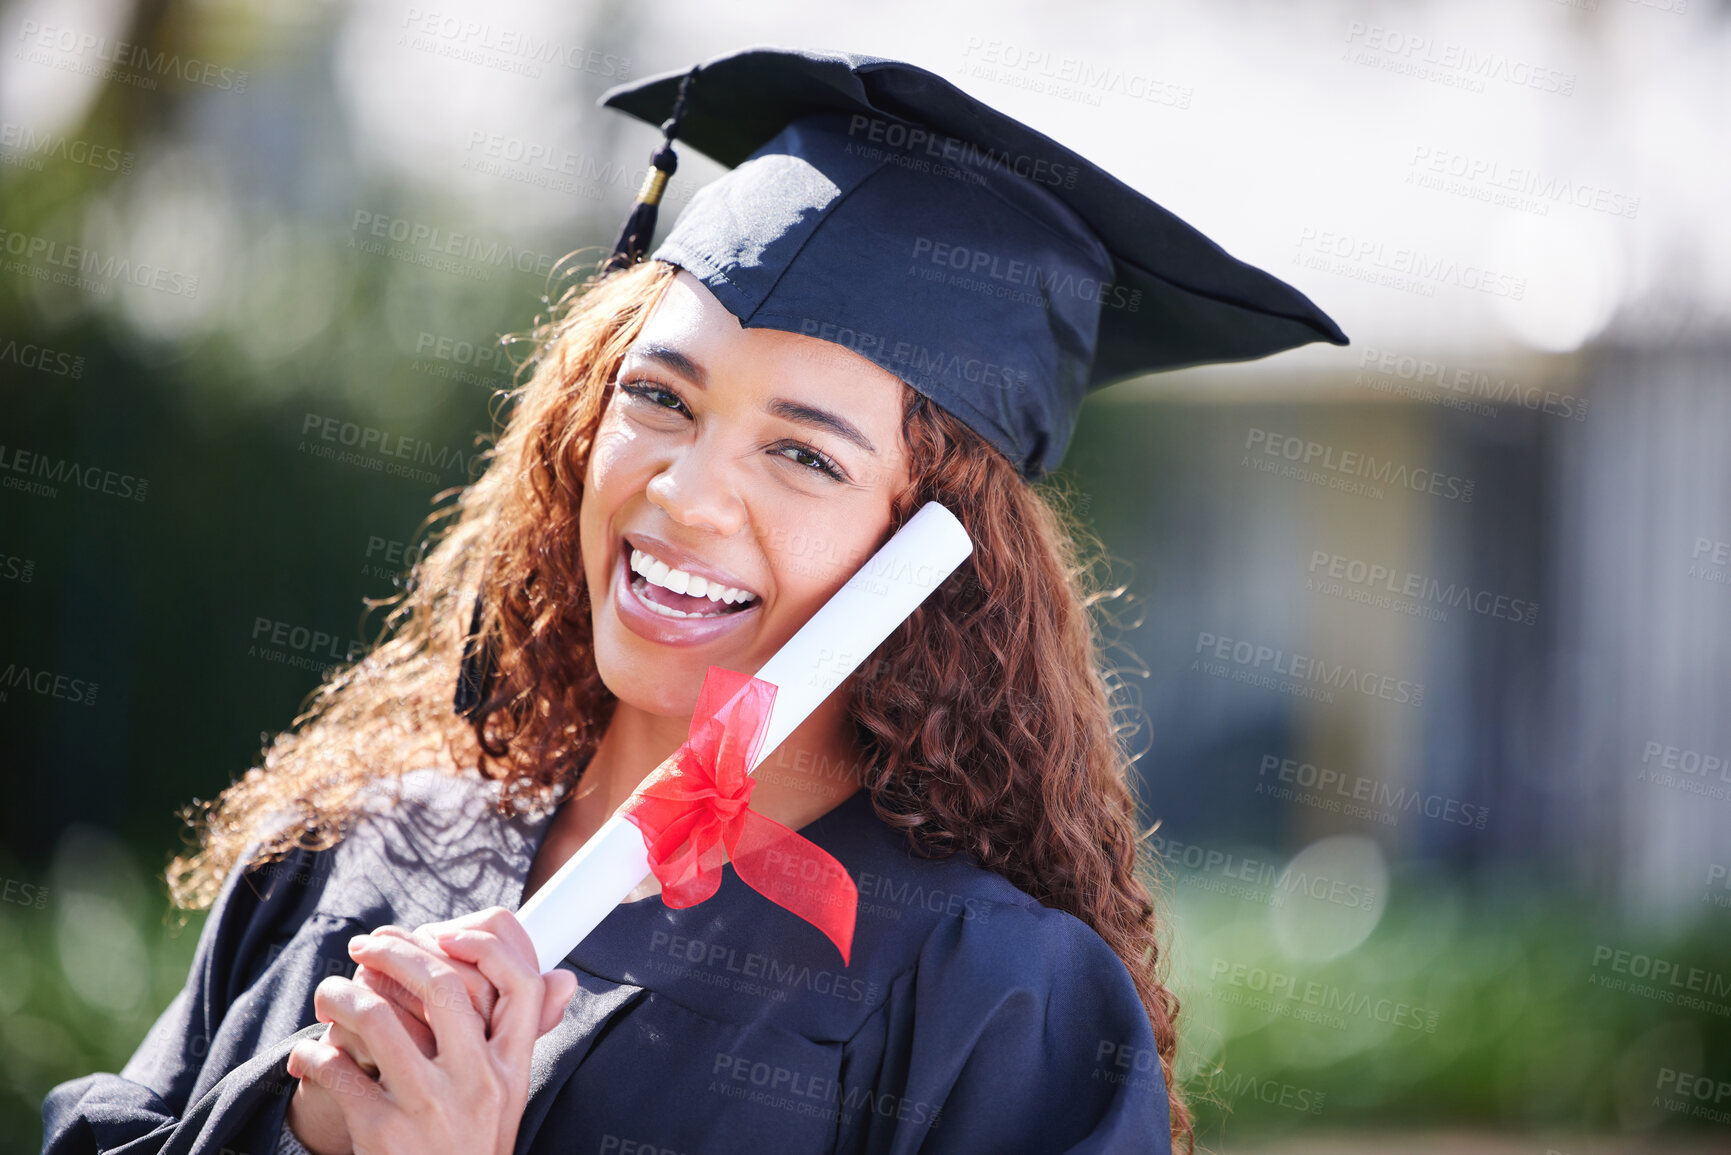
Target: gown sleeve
(204,1073)
(1029,1035)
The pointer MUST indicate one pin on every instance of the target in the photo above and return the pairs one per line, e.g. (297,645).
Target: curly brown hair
(987,723)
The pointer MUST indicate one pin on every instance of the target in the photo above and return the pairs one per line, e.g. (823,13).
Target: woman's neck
(816,769)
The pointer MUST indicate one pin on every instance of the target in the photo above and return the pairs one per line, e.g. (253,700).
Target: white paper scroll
(817,659)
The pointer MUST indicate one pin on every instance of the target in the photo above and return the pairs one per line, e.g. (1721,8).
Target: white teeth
(670,612)
(657,572)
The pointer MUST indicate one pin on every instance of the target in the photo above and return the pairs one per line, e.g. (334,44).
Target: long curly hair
(988,723)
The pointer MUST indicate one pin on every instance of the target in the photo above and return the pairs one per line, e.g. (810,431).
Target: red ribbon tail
(798,875)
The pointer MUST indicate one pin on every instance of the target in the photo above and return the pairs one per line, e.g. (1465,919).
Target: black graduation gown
(971,1018)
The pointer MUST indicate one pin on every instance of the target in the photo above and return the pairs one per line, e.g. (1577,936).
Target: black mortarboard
(875,205)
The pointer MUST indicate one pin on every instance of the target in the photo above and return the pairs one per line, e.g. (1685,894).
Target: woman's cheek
(610,458)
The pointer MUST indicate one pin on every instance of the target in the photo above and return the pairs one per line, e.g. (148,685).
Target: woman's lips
(668,631)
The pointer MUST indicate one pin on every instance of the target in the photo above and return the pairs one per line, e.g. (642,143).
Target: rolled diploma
(843,633)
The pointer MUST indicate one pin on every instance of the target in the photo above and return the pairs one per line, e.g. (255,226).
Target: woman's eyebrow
(794,411)
(821,419)
(674,360)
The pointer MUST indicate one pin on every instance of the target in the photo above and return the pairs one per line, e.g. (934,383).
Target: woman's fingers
(481,992)
(561,984)
(345,1003)
(403,1001)
(352,1046)
(558,986)
(433,978)
(353,1093)
(497,944)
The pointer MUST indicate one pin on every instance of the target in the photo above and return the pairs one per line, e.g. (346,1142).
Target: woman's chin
(652,679)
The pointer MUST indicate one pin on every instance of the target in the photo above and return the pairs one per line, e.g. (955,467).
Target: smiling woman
(708,445)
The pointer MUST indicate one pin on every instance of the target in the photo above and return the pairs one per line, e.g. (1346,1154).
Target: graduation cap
(873,204)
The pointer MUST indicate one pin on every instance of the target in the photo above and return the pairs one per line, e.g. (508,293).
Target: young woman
(709,444)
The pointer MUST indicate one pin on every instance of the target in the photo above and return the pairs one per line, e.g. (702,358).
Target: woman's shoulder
(1017,1022)
(1012,941)
(422,846)
(967,915)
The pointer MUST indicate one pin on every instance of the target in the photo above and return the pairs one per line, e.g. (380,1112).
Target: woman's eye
(811,459)
(656,395)
(662,397)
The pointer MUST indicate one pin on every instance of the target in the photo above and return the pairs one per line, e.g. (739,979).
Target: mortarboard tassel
(475,676)
(479,666)
(639,227)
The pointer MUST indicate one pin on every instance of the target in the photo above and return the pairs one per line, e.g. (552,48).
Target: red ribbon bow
(695,803)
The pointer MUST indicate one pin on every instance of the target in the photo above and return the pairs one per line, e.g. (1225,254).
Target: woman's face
(728,459)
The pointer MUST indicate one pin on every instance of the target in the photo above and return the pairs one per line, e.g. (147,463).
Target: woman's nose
(696,489)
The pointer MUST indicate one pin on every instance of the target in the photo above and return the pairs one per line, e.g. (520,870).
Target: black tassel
(639,227)
(475,677)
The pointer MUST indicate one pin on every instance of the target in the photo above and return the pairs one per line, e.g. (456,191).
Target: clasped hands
(429,1043)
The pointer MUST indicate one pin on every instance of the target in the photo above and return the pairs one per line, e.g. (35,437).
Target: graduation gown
(971,1019)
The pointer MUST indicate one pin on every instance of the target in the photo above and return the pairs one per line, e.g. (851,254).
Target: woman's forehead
(693,326)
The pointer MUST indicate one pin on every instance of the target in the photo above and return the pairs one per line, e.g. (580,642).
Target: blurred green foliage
(1465,1007)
